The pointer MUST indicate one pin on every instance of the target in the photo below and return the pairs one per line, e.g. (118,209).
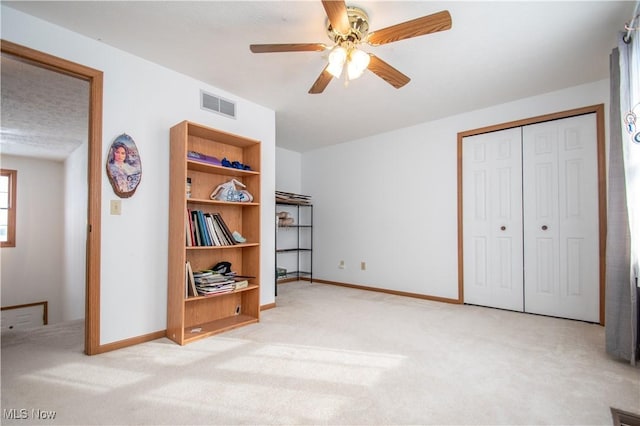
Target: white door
(492,219)
(560,201)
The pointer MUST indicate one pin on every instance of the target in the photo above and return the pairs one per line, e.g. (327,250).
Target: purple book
(196,156)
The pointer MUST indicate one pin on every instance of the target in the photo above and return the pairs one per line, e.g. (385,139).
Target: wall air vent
(217,104)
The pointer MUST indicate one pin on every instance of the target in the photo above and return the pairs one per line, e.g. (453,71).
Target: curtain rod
(629,26)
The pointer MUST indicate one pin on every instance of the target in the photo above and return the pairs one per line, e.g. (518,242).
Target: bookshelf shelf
(196,298)
(235,246)
(210,168)
(215,327)
(219,312)
(221,203)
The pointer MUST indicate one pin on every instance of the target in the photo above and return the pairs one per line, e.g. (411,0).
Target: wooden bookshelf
(196,317)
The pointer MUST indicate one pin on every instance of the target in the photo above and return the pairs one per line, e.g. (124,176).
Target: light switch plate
(116,207)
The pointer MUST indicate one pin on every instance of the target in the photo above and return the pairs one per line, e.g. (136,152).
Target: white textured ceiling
(44,113)
(495,52)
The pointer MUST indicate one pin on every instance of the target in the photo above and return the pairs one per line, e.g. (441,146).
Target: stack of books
(291,198)
(208,283)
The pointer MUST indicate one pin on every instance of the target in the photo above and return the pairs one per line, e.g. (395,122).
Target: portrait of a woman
(123,166)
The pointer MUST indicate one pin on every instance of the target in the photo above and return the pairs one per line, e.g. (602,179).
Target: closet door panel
(561,218)
(579,222)
(540,217)
(492,220)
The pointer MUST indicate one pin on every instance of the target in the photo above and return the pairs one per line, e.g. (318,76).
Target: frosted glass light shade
(337,58)
(358,62)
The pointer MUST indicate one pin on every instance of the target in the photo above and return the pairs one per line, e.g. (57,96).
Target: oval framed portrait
(124,167)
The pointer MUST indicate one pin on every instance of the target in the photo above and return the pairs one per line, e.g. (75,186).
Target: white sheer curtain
(623,236)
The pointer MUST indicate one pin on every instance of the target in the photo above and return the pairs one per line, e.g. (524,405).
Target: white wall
(145,100)
(32,271)
(288,171)
(58,191)
(75,234)
(390,200)
(289,179)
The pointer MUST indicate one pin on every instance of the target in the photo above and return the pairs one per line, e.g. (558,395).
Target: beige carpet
(330,355)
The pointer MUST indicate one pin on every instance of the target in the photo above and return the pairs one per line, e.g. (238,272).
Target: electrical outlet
(116,207)
(363,266)
(341,264)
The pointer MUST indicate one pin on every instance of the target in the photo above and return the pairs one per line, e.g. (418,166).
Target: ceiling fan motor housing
(359,27)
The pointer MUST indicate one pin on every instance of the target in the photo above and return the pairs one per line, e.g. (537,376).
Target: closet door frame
(602,185)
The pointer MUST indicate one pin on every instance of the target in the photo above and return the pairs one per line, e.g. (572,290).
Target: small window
(8,207)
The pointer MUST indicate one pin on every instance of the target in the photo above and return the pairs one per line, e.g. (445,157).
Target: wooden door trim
(95,79)
(602,184)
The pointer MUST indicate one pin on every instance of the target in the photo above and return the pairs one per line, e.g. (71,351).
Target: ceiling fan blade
(387,72)
(289,47)
(426,25)
(321,82)
(337,14)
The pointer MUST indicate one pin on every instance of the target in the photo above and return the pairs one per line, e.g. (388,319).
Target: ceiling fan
(348,27)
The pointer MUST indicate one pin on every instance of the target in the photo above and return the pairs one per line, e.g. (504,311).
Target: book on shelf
(223,237)
(213,280)
(186,281)
(191,284)
(216,241)
(190,238)
(187,233)
(225,229)
(204,229)
(241,284)
(203,273)
(203,158)
(196,229)
(209,291)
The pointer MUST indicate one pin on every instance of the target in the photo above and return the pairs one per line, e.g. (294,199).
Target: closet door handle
(503,228)
(545,227)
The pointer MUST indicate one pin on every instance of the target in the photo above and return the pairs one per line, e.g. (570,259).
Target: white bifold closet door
(492,219)
(560,211)
(530,219)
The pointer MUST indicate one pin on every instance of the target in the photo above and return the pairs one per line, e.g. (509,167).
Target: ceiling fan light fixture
(348,28)
(358,62)
(337,58)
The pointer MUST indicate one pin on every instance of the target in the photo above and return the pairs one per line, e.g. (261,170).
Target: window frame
(11,210)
